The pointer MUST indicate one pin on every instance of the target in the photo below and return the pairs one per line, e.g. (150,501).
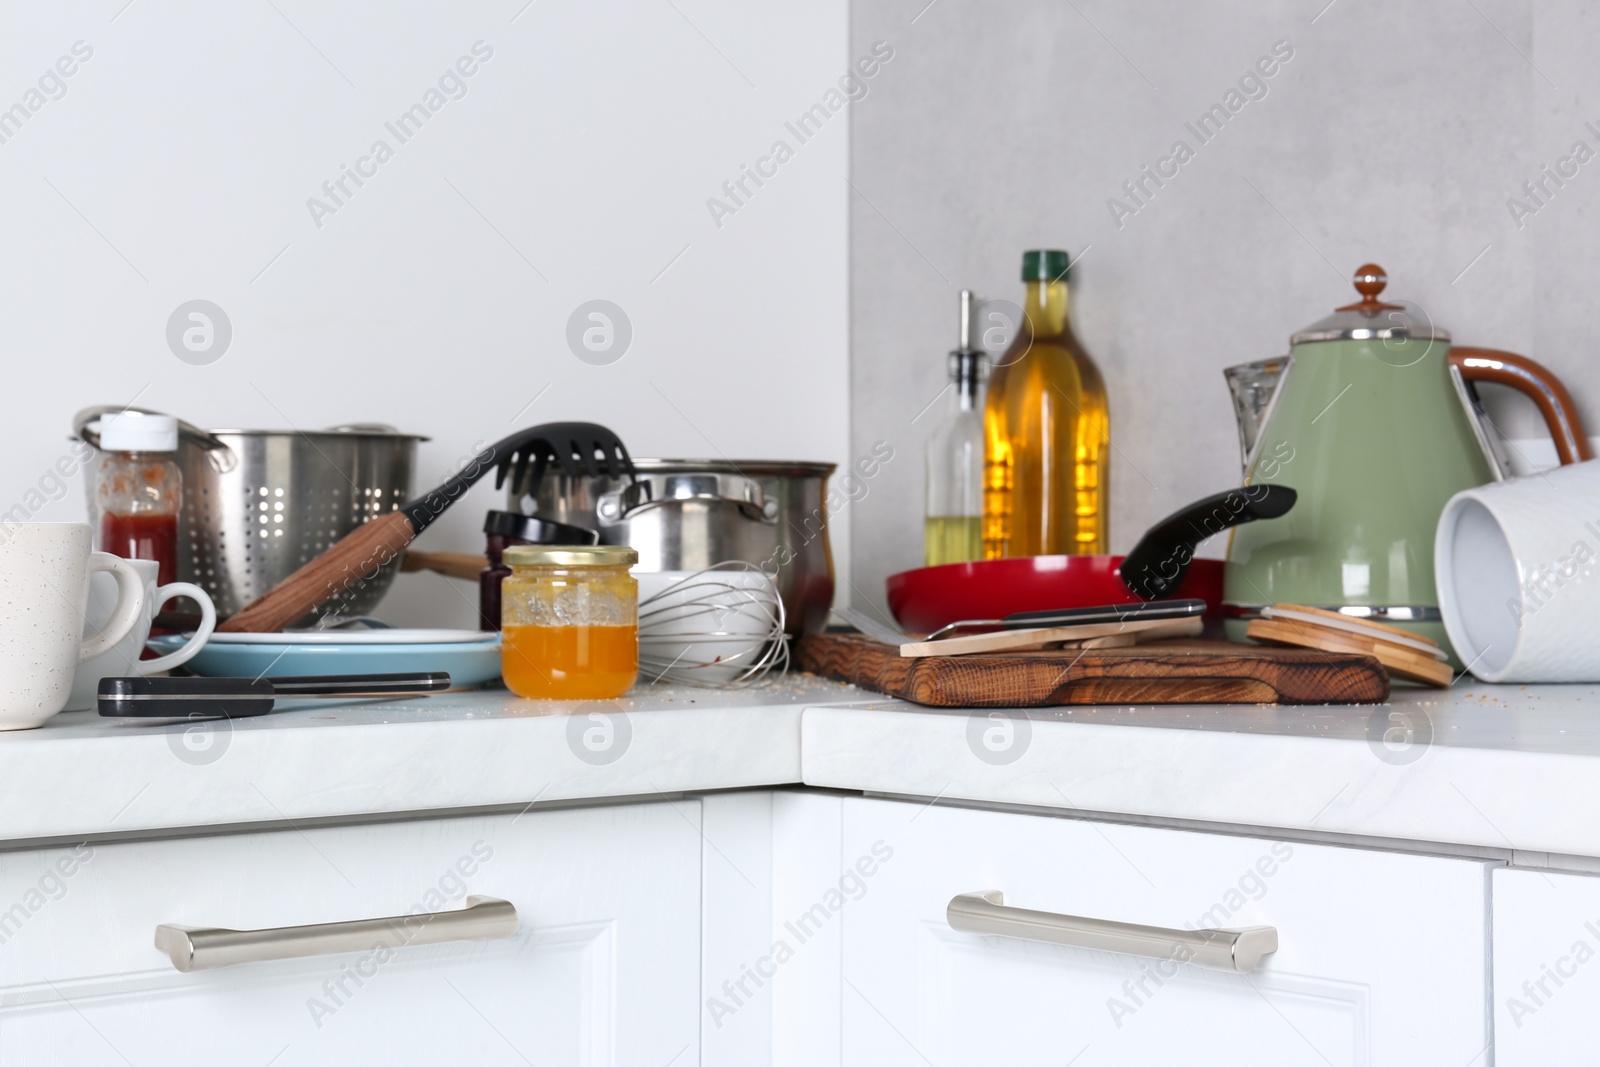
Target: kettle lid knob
(1370,280)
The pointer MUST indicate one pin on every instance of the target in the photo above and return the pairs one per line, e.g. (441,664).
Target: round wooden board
(1396,659)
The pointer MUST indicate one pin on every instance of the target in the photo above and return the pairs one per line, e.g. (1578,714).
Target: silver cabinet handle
(199,948)
(1225,950)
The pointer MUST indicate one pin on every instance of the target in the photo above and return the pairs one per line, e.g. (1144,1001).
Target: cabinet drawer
(1381,957)
(1546,968)
(602,967)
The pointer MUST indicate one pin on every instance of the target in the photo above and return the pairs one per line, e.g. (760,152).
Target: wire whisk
(720,628)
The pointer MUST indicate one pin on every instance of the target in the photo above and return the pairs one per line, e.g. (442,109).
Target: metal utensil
(341,572)
(235,698)
(260,504)
(1112,613)
(721,628)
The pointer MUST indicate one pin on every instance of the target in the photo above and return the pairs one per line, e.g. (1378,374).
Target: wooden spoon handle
(464,565)
(353,559)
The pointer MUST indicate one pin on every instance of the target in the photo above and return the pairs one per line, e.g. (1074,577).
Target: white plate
(358,637)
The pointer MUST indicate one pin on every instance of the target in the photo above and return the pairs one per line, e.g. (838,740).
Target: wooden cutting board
(1163,672)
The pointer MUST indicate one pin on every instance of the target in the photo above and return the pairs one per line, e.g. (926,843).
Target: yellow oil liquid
(1046,440)
(952,539)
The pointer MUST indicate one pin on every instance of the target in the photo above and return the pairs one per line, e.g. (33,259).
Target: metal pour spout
(1253,386)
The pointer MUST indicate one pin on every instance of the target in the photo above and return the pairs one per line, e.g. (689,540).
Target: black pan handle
(1157,564)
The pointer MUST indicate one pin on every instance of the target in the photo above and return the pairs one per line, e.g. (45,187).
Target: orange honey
(569,662)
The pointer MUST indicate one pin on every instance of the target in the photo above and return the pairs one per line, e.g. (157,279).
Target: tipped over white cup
(1517,565)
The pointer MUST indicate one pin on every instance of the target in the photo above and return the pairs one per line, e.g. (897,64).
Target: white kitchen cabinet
(603,967)
(1546,968)
(1382,957)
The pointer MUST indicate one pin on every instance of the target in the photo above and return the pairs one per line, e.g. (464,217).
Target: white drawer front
(1382,956)
(1546,969)
(603,967)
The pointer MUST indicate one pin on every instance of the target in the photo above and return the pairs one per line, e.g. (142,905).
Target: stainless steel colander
(258,504)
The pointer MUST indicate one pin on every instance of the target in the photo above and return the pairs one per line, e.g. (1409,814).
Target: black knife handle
(1157,564)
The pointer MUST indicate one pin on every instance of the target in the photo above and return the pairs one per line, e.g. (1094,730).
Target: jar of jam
(504,529)
(569,621)
(139,489)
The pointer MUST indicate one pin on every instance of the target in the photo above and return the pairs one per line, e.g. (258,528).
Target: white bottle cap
(134,431)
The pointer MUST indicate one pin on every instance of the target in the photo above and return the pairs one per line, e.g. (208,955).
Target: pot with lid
(690,514)
(1374,420)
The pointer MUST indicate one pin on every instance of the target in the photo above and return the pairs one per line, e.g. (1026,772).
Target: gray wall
(1396,133)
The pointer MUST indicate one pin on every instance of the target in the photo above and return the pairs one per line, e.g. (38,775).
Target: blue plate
(468,663)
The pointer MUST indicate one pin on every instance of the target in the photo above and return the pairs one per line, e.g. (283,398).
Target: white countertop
(1501,767)
(82,774)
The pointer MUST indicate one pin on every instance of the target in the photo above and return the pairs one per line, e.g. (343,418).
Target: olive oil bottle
(953,521)
(1046,430)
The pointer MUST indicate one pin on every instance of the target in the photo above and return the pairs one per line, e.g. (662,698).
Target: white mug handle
(197,641)
(130,604)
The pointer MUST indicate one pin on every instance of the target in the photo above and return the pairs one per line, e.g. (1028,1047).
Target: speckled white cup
(123,660)
(1517,565)
(44,589)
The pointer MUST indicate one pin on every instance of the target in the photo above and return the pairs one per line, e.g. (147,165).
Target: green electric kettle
(1373,418)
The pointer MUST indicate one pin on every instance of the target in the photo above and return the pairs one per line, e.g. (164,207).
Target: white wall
(178,163)
(1396,134)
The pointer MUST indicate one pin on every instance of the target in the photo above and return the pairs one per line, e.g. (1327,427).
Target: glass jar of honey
(569,621)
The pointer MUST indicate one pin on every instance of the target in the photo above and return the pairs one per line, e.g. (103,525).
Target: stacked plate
(471,657)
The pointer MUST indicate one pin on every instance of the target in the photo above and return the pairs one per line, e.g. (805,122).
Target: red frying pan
(1161,565)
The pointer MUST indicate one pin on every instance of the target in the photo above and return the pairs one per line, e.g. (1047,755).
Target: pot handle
(221,456)
(1156,565)
(1540,386)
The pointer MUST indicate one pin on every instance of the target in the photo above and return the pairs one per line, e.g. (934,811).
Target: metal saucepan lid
(1371,318)
(753,468)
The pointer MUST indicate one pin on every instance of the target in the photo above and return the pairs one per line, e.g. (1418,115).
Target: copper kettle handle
(1540,386)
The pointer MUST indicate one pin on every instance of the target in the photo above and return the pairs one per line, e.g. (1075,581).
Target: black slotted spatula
(579,448)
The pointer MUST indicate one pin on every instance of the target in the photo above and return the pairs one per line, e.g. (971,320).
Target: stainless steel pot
(258,504)
(687,514)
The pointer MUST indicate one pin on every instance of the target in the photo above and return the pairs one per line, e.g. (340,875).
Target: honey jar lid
(570,556)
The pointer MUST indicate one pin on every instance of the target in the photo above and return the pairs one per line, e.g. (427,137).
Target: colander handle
(223,458)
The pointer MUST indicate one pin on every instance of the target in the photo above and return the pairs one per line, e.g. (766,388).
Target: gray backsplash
(1395,133)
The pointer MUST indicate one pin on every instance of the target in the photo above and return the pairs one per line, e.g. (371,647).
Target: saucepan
(690,514)
(1161,565)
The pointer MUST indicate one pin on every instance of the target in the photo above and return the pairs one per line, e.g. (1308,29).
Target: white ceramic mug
(1517,564)
(44,589)
(123,660)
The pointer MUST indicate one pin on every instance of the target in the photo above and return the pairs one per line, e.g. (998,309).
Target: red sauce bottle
(139,489)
